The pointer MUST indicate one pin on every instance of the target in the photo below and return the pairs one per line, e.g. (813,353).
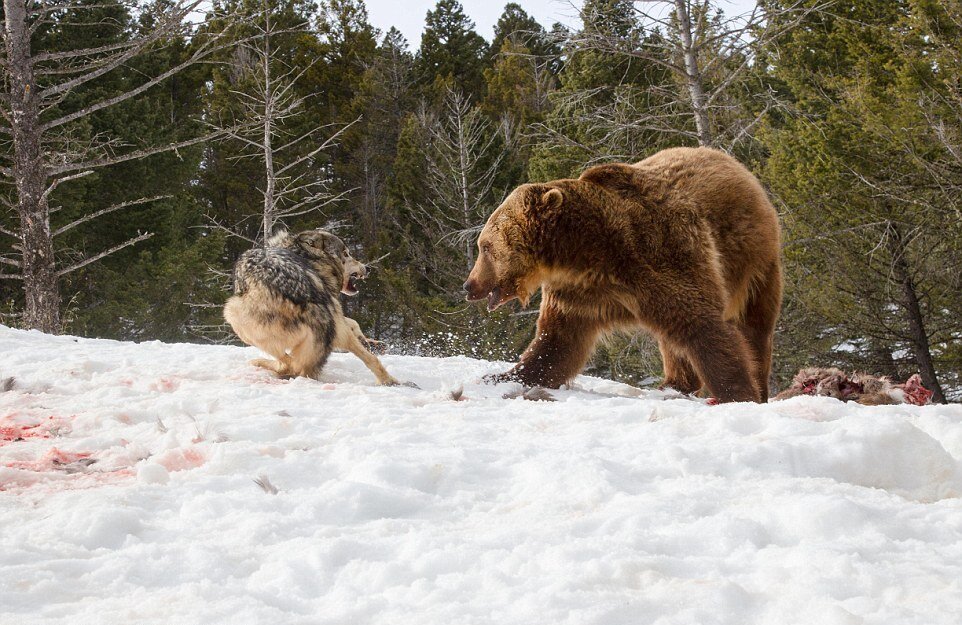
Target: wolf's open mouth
(352,286)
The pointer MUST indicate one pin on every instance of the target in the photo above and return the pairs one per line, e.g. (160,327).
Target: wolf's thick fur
(684,244)
(286,304)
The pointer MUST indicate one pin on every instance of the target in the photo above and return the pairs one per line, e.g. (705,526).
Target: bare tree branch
(110,209)
(58,181)
(135,155)
(95,258)
(167,25)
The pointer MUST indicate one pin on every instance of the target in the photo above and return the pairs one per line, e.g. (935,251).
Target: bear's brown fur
(684,243)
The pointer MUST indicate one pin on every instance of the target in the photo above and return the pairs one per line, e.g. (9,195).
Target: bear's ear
(615,176)
(540,197)
(552,198)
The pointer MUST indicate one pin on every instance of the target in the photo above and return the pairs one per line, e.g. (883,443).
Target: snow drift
(127,496)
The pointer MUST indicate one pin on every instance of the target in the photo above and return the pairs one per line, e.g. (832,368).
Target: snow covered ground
(127,496)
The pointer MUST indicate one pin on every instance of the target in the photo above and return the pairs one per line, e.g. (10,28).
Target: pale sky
(408,15)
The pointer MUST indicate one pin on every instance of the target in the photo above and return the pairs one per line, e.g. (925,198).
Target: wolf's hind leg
(288,347)
(281,368)
(307,357)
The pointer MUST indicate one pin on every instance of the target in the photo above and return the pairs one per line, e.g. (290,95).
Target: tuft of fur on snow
(6,385)
(265,483)
(458,394)
(535,393)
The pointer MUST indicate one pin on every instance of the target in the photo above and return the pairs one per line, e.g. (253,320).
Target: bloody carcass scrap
(869,390)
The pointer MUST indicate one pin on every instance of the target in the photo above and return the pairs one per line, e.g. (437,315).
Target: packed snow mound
(127,495)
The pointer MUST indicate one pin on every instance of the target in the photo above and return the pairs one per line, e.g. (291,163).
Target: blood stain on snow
(55,481)
(165,385)
(12,431)
(181,459)
(55,460)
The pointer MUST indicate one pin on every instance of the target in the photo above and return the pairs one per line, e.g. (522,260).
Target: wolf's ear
(333,246)
(310,238)
(614,176)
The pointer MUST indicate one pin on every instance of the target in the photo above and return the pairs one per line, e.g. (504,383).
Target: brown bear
(684,244)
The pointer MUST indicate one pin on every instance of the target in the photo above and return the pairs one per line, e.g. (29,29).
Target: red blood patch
(181,459)
(13,429)
(915,393)
(165,385)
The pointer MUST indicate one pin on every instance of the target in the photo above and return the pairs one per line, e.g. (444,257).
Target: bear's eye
(486,248)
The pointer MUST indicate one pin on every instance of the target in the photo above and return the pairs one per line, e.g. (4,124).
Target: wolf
(286,303)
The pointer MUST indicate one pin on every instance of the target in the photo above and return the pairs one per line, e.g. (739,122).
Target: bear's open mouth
(351,286)
(494,298)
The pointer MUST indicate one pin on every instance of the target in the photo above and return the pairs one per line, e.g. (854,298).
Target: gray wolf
(286,303)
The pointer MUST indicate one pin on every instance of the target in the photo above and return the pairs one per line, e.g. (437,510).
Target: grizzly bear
(684,244)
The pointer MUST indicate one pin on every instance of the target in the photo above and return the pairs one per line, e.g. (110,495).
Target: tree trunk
(463,182)
(39,271)
(913,316)
(270,203)
(696,87)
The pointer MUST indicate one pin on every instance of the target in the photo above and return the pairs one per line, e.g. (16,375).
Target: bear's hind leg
(720,356)
(758,325)
(679,374)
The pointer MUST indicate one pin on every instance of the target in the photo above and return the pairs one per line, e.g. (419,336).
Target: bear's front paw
(500,378)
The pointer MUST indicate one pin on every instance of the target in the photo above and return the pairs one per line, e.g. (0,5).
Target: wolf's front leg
(347,339)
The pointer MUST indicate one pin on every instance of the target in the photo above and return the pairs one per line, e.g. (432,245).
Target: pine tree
(516,26)
(451,52)
(599,109)
(872,247)
(348,45)
(383,98)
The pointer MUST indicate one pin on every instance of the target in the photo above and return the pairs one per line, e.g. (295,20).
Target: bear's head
(508,266)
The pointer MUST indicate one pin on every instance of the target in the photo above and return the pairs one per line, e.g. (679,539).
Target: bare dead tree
(710,55)
(46,150)
(464,156)
(295,181)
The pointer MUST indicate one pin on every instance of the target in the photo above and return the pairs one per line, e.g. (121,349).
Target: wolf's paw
(264,363)
(375,347)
